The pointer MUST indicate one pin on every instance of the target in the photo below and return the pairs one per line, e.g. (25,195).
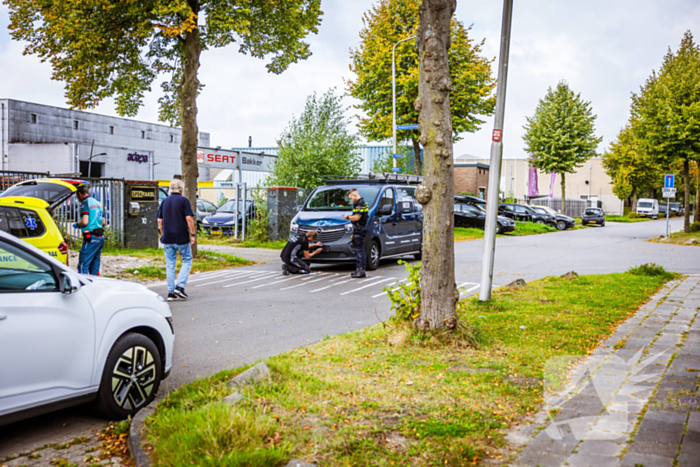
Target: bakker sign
(226,159)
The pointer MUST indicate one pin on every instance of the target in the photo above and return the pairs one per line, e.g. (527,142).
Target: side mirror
(386,209)
(299,208)
(66,284)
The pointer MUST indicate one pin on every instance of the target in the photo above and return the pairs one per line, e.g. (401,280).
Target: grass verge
(387,395)
(616,218)
(204,239)
(205,261)
(522,229)
(679,238)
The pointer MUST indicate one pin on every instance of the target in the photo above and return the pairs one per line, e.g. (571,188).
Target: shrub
(652,270)
(632,215)
(695,227)
(257,227)
(405,299)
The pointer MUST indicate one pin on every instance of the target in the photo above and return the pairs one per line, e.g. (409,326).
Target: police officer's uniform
(358,236)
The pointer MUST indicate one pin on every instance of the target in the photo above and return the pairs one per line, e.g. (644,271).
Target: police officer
(92,225)
(295,252)
(359,218)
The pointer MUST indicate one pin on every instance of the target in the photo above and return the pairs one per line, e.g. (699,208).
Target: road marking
(332,285)
(310,282)
(368,285)
(384,293)
(229,277)
(273,283)
(470,289)
(198,277)
(267,276)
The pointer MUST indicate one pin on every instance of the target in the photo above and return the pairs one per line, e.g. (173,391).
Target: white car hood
(110,295)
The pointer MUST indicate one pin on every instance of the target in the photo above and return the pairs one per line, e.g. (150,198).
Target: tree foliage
(387,23)
(317,143)
(561,134)
(632,171)
(666,113)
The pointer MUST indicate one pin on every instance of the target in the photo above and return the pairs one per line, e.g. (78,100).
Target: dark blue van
(394,228)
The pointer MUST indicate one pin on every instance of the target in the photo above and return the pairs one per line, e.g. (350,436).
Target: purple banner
(532,189)
(551,185)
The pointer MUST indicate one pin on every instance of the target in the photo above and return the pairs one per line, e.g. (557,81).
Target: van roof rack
(375,179)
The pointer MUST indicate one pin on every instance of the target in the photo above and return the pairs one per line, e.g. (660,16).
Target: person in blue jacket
(91,223)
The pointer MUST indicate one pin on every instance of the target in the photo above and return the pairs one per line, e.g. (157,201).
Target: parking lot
(241,315)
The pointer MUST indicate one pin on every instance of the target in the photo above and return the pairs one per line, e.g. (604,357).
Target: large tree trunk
(686,196)
(417,163)
(438,290)
(563,193)
(190,131)
(634,201)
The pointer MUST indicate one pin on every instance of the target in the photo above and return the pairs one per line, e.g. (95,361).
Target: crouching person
(295,252)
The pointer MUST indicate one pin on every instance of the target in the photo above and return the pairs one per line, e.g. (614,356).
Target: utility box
(141,214)
(281,208)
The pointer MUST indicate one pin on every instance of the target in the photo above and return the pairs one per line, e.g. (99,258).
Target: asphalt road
(242,315)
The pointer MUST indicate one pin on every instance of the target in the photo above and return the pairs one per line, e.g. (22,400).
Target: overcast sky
(605,49)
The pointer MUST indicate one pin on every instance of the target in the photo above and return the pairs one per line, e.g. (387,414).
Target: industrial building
(43,138)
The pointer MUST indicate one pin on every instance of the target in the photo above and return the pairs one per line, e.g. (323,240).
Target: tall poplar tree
(561,134)
(117,48)
(667,113)
(470,72)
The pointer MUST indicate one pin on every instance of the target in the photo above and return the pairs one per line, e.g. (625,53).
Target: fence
(9,178)
(574,206)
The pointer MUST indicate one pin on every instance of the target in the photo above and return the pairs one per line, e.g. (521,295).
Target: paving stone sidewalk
(634,402)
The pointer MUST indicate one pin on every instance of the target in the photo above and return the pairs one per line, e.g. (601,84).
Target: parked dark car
(520,212)
(204,209)
(562,222)
(469,212)
(662,210)
(222,221)
(593,216)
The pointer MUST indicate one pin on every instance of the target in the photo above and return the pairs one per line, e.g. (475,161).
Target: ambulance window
(15,223)
(21,271)
(3,220)
(32,223)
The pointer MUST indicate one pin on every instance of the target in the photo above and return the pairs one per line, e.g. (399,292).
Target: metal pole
(589,186)
(90,159)
(393,94)
(667,217)
(496,157)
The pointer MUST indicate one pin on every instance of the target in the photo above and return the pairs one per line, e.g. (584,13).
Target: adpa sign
(226,159)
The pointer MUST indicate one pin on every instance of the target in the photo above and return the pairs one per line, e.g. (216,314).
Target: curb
(135,442)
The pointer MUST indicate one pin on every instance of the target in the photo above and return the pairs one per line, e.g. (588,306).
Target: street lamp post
(393,93)
(496,158)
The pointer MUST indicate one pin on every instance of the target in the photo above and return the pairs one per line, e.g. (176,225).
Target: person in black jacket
(295,252)
(359,218)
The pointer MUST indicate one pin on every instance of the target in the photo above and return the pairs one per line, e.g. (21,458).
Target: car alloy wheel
(133,377)
(373,256)
(539,221)
(561,225)
(498,228)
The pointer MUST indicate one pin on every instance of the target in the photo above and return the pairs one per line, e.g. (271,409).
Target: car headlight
(293,227)
(205,221)
(348,227)
(169,319)
(231,222)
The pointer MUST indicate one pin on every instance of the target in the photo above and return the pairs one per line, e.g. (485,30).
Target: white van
(647,207)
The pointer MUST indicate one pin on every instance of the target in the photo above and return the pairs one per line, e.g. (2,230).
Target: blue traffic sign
(407,127)
(669,181)
(396,169)
(398,156)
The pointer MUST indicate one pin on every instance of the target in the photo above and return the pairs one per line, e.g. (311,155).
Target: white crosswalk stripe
(258,278)
(276,282)
(228,277)
(310,282)
(384,293)
(471,289)
(368,285)
(199,277)
(333,285)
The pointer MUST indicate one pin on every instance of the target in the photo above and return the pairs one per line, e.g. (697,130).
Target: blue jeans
(171,251)
(90,255)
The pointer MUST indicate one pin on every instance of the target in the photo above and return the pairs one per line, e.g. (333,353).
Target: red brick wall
(469,179)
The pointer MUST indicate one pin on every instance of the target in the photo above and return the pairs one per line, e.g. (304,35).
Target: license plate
(593,222)
(326,249)
(216,232)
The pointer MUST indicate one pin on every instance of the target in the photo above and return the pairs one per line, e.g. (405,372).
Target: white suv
(66,339)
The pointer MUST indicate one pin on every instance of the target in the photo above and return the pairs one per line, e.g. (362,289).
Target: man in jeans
(176,225)
(91,223)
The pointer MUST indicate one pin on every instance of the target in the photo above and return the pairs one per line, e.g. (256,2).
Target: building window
(172,138)
(76,124)
(143,135)
(111,130)
(33,118)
